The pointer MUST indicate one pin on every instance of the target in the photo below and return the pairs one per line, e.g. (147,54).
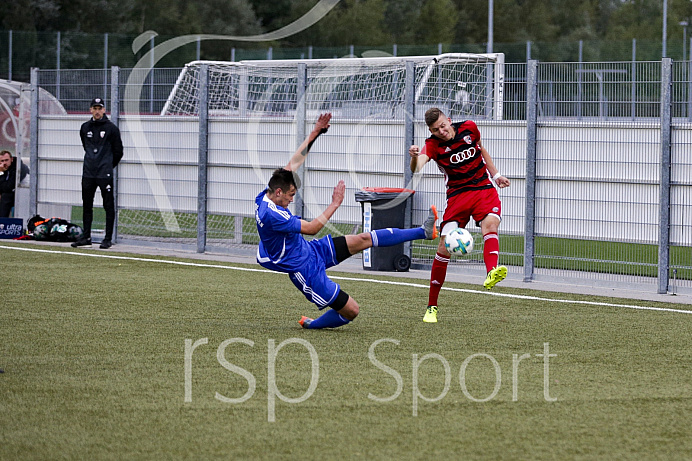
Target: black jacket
(103,148)
(7,183)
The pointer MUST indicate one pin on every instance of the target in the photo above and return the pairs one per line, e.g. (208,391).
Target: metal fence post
(634,78)
(409,134)
(105,69)
(664,188)
(33,143)
(580,89)
(689,84)
(152,61)
(115,118)
(203,154)
(531,127)
(57,68)
(9,56)
(243,91)
(301,108)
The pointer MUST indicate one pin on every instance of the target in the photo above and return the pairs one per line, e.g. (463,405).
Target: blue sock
(393,236)
(330,319)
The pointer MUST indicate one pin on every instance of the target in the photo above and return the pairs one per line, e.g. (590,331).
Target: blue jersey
(282,248)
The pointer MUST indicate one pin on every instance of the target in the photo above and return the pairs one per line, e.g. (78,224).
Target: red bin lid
(392,190)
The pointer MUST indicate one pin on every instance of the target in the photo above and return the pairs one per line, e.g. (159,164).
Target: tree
(438,22)
(273,14)
(402,19)
(351,22)
(31,15)
(354,22)
(641,19)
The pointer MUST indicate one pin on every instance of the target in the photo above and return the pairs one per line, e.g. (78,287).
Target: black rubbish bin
(384,207)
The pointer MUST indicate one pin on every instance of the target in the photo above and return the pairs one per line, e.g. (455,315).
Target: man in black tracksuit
(8,173)
(103,150)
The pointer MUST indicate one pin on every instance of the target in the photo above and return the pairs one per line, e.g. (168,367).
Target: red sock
(491,250)
(437,277)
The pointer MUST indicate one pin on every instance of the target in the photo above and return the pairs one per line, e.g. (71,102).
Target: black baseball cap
(97,102)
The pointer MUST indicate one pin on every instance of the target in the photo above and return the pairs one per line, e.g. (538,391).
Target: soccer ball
(459,241)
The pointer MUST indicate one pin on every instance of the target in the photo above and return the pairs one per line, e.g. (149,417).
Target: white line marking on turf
(355,279)
(130,258)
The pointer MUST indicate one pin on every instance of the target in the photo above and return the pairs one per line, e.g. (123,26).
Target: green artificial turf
(94,359)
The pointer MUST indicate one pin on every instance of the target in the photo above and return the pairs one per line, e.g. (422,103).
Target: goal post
(463,84)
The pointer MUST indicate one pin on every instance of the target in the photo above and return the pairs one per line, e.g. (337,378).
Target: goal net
(463,85)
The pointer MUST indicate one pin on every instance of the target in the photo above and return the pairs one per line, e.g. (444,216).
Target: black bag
(54,229)
(31,224)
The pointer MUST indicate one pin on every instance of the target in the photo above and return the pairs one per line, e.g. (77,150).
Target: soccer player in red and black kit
(469,175)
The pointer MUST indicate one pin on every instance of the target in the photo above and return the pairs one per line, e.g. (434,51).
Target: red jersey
(460,159)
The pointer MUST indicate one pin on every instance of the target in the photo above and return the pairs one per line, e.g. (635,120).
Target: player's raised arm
(314,226)
(321,126)
(497,178)
(418,158)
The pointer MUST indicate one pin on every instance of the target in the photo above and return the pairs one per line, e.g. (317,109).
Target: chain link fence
(597,152)
(22,50)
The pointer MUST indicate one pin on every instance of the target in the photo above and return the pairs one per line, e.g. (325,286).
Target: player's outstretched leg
(330,319)
(430,224)
(343,310)
(394,236)
(495,276)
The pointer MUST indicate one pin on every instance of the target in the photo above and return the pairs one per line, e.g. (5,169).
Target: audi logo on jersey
(464,155)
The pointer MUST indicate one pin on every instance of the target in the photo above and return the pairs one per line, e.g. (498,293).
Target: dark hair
(5,152)
(283,179)
(432,115)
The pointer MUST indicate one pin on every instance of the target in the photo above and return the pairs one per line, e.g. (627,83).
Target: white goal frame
(428,68)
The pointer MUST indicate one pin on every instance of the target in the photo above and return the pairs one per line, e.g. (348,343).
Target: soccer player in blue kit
(282,248)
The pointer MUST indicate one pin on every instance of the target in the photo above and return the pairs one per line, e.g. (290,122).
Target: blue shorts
(312,278)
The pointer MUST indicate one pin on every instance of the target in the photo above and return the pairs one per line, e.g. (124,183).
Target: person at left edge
(8,174)
(103,150)
(282,247)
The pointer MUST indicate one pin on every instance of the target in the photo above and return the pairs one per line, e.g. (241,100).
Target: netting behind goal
(464,85)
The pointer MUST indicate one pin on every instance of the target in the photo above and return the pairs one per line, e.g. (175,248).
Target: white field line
(383,282)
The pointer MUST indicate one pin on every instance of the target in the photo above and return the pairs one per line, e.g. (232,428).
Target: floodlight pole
(490,27)
(684,25)
(665,26)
